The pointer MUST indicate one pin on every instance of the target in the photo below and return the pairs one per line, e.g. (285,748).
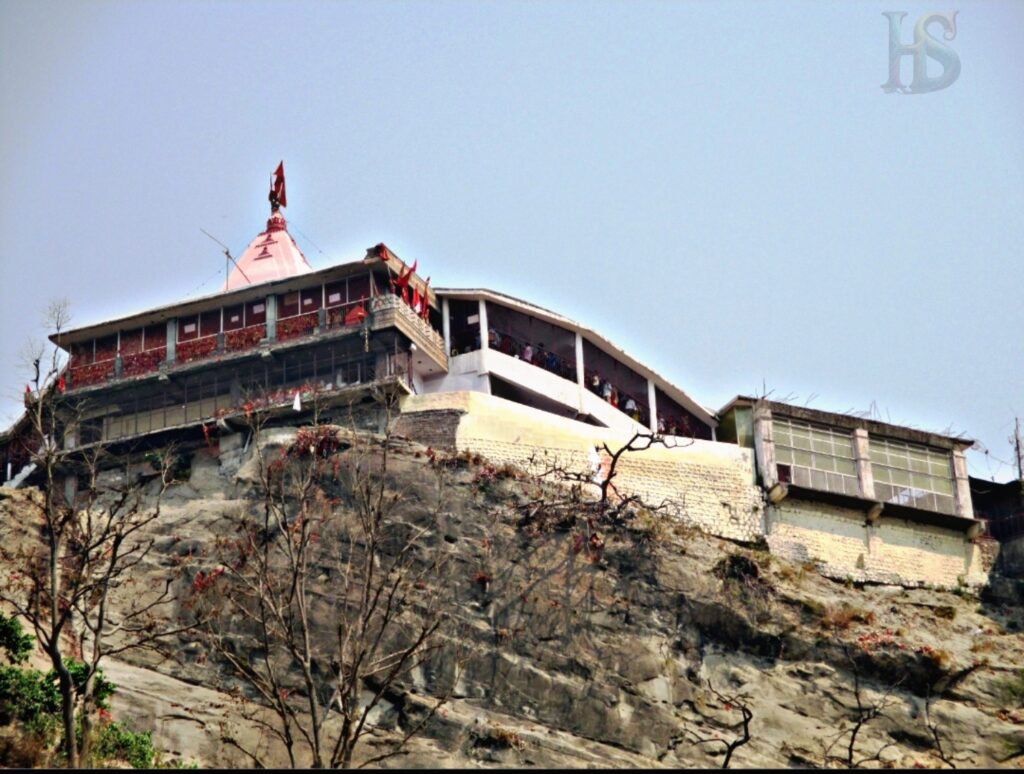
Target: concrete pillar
(483,325)
(862,459)
(764,446)
(652,401)
(172,338)
(581,383)
(962,488)
(446,326)
(271,318)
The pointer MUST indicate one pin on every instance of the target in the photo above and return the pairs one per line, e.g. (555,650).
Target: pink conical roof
(270,256)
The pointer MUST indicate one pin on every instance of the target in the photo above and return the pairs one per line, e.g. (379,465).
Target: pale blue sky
(723,189)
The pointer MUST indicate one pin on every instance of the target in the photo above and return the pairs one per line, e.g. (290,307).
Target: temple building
(476,370)
(279,330)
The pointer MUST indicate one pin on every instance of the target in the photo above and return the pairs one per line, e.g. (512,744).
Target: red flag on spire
(278,187)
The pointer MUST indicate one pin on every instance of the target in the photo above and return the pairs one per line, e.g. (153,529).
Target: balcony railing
(386,308)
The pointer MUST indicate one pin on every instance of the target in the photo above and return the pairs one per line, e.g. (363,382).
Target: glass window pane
(846,467)
(802,458)
(819,444)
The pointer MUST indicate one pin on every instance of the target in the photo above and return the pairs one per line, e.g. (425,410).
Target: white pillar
(764,446)
(652,402)
(446,325)
(483,324)
(580,375)
(862,459)
(962,490)
(172,338)
(271,303)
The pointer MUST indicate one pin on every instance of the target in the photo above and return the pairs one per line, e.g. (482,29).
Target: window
(234,317)
(188,328)
(209,323)
(311,299)
(131,341)
(336,295)
(815,457)
(256,312)
(288,304)
(358,288)
(155,336)
(911,474)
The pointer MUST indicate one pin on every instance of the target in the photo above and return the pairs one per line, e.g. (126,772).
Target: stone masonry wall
(705,483)
(891,551)
(437,428)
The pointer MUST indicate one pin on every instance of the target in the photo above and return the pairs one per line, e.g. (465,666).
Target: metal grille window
(815,457)
(909,474)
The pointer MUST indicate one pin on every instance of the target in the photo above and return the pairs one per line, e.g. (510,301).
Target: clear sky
(722,188)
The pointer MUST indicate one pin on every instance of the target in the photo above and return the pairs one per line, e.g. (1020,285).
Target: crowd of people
(538,355)
(547,359)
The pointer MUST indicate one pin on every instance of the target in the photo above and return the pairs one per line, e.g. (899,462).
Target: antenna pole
(1020,448)
(227,257)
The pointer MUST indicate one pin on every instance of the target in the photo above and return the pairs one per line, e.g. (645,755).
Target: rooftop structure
(845,460)
(280,328)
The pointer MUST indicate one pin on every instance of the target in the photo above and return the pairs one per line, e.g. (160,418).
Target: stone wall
(896,551)
(708,484)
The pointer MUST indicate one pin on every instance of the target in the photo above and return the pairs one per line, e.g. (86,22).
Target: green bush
(118,742)
(13,640)
(28,696)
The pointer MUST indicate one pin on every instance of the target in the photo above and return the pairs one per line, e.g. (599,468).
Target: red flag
(278,189)
(403,277)
(426,300)
(61,384)
(416,298)
(356,315)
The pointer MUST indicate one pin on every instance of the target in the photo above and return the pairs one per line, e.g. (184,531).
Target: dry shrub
(983,646)
(844,616)
(21,749)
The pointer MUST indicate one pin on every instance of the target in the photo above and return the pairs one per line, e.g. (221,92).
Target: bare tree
(339,583)
(730,703)
(865,712)
(83,546)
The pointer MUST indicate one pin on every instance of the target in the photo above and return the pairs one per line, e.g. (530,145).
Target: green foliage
(30,697)
(13,640)
(103,689)
(33,698)
(118,742)
(178,465)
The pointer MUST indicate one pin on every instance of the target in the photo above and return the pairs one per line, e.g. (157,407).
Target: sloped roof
(676,393)
(271,255)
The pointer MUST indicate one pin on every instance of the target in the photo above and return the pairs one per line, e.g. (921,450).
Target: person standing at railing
(552,362)
(595,384)
(538,355)
(528,352)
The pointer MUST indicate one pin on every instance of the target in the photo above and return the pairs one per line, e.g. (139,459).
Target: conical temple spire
(273,254)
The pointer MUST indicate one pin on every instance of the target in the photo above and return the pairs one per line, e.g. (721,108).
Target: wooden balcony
(392,312)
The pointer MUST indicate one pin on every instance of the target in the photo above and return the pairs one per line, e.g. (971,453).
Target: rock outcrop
(645,651)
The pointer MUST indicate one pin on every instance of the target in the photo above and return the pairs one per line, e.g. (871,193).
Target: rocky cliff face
(647,647)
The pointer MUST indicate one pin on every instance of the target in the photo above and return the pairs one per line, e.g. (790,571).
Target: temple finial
(278,197)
